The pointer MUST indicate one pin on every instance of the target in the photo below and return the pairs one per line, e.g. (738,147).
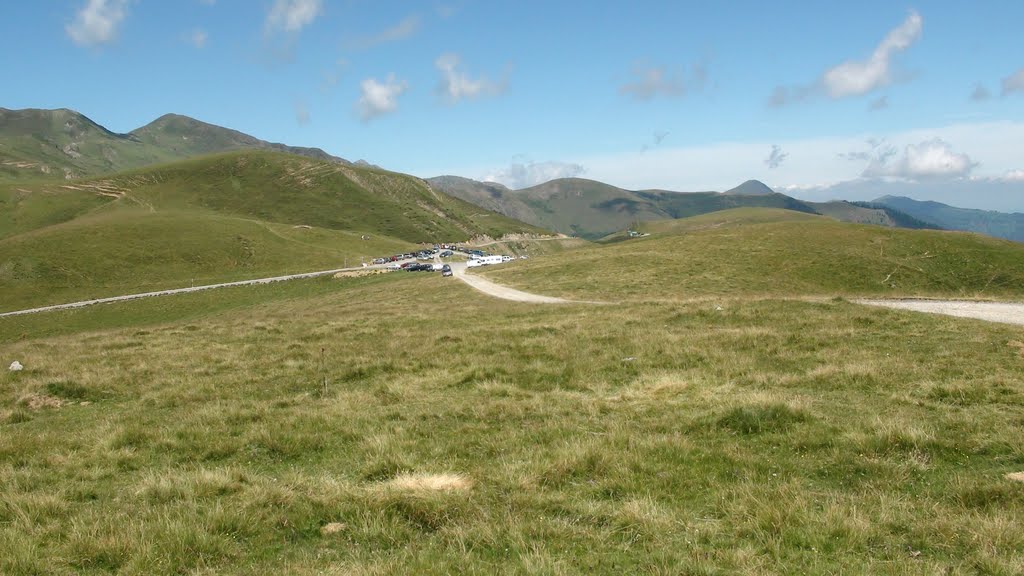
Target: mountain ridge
(65,144)
(1008,225)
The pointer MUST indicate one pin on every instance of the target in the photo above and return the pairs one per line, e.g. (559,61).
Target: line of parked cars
(476,258)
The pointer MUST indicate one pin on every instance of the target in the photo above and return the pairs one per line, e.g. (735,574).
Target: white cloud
(96,23)
(292,15)
(456,84)
(197,38)
(857,77)
(930,159)
(776,157)
(1013,176)
(404,29)
(378,98)
(1014,83)
(520,175)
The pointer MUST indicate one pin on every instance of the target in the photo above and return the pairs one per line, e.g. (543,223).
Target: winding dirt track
(1006,312)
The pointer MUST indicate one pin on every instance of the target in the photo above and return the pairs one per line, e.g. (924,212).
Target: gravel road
(499,291)
(1006,312)
(174,291)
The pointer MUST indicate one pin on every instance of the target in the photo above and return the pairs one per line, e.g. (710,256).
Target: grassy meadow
(754,252)
(405,423)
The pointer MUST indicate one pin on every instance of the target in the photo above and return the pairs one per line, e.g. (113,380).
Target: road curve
(1005,312)
(175,291)
(504,292)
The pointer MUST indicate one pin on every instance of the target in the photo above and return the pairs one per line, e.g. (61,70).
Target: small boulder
(16,366)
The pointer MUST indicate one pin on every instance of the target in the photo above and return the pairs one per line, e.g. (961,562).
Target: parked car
(446,272)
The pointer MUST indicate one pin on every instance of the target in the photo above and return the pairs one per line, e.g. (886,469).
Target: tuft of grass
(759,419)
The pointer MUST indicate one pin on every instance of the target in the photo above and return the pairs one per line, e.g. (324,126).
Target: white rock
(16,366)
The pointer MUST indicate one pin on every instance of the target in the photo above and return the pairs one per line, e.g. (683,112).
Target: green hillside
(591,209)
(998,224)
(870,213)
(218,218)
(64,144)
(774,252)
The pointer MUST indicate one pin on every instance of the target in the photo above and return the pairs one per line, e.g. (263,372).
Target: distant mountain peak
(751,188)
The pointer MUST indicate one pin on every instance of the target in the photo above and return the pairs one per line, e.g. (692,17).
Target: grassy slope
(53,144)
(39,138)
(229,217)
(648,437)
(813,256)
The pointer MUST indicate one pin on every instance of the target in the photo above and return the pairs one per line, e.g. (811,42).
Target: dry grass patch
(430,483)
(40,401)
(332,528)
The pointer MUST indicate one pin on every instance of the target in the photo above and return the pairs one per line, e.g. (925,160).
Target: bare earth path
(499,291)
(1006,312)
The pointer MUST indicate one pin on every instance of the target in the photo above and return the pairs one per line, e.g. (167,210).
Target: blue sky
(806,96)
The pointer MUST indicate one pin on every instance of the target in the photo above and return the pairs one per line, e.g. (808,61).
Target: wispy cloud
(379,98)
(1014,83)
(301,112)
(657,137)
(292,16)
(776,157)
(332,75)
(880,103)
(980,93)
(857,77)
(651,81)
(456,84)
(197,38)
(97,22)
(407,27)
(523,174)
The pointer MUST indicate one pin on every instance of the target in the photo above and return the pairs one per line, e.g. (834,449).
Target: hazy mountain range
(593,209)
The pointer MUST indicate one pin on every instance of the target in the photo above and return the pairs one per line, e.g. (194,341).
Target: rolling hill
(64,144)
(591,209)
(753,252)
(998,224)
(217,218)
